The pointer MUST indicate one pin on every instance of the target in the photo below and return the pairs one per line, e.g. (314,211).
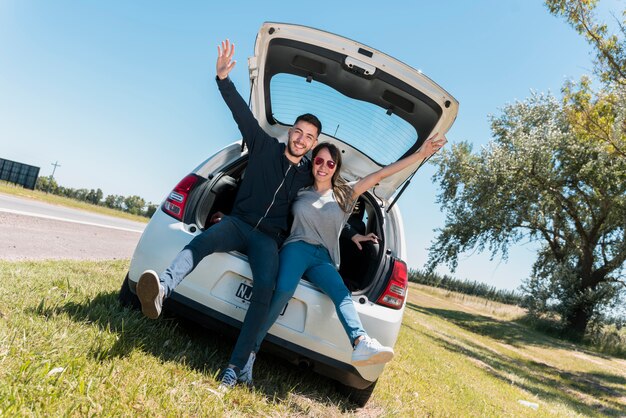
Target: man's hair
(312,119)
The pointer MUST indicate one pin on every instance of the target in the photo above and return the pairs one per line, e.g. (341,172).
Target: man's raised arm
(247,124)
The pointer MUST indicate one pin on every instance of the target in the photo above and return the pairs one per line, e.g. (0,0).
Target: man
(258,223)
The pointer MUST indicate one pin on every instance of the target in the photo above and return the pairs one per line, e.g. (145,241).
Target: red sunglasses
(329,163)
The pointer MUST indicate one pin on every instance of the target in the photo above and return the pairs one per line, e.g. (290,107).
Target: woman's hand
(432,145)
(358,239)
(428,148)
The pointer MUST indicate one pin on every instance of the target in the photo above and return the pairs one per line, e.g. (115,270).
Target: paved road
(34,230)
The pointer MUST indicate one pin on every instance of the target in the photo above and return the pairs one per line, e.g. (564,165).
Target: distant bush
(608,339)
(467,287)
(131,204)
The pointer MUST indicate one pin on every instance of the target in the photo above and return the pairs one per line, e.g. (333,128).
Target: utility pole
(55,164)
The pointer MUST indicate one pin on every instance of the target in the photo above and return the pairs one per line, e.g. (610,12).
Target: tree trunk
(577,320)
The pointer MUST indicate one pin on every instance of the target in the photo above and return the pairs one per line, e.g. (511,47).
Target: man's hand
(224,59)
(217,216)
(358,239)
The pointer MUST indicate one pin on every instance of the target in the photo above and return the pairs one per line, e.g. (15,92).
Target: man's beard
(295,154)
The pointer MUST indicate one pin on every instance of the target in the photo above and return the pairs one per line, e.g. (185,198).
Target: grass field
(12,189)
(68,349)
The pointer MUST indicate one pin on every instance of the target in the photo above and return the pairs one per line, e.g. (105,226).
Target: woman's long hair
(342,191)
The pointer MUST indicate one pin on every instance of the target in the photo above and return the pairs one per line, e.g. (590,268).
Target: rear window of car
(367,127)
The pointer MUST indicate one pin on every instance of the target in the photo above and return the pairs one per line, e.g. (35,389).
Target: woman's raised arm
(428,148)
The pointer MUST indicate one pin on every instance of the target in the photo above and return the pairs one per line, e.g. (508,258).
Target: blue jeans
(232,234)
(301,258)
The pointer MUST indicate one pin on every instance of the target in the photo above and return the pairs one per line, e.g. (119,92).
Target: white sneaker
(369,351)
(245,376)
(151,294)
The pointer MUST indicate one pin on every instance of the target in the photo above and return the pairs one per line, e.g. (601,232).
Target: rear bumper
(295,354)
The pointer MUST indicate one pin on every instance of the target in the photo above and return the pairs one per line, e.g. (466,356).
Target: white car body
(309,331)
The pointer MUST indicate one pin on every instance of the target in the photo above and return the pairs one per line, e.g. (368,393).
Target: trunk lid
(377,106)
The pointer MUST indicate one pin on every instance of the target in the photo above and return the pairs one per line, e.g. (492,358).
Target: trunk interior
(359,269)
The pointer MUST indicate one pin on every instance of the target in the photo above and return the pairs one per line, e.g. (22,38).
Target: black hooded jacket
(271,181)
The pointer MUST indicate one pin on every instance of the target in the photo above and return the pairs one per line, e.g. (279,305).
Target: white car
(376,110)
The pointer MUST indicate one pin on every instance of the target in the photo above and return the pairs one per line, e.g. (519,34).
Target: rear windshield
(366,127)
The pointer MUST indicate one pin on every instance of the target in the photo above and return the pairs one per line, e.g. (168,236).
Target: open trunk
(360,269)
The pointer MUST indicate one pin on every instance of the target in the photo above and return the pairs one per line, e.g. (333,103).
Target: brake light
(175,203)
(394,294)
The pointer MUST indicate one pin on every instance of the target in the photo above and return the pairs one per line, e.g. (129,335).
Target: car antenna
(406,183)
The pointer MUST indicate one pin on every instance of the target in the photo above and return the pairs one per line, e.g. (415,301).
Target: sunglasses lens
(319,161)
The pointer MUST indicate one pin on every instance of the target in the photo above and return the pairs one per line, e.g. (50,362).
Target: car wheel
(358,397)
(127,298)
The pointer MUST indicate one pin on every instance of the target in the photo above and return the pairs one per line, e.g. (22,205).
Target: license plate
(244,292)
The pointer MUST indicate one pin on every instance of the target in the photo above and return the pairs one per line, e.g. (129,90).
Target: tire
(358,397)
(127,298)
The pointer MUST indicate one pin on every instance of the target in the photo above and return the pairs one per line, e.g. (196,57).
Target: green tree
(67,192)
(610,48)
(597,116)
(134,204)
(94,196)
(150,209)
(539,182)
(114,201)
(47,184)
(80,194)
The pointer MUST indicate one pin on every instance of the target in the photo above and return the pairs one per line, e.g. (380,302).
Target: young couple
(278,175)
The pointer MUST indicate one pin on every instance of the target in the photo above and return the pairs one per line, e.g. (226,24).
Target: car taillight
(175,203)
(394,294)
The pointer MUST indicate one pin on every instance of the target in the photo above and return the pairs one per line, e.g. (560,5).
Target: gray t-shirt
(318,220)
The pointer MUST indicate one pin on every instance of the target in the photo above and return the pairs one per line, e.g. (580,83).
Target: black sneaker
(229,380)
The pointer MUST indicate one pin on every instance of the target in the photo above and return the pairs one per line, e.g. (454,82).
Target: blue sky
(122,94)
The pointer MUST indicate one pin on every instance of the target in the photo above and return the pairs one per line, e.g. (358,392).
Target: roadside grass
(605,339)
(15,190)
(481,305)
(68,349)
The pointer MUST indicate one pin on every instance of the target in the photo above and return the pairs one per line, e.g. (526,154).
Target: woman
(312,248)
